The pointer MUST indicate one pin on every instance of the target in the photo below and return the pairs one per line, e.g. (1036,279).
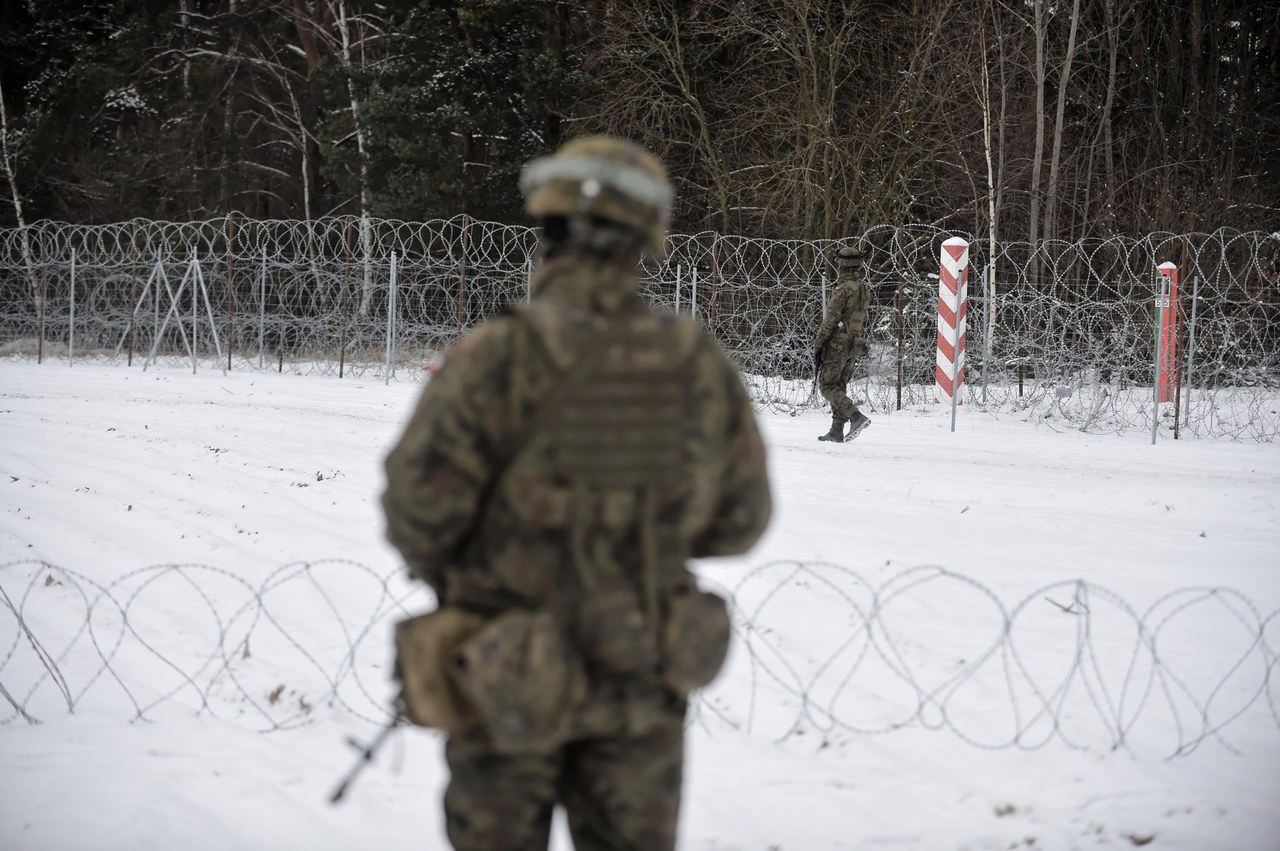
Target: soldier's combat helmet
(848,256)
(602,177)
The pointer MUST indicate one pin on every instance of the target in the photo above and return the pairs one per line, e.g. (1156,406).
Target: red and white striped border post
(953,307)
(1167,317)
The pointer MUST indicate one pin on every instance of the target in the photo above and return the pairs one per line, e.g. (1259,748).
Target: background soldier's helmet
(848,256)
(604,177)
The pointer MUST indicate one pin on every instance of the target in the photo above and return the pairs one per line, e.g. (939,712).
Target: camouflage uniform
(840,341)
(580,440)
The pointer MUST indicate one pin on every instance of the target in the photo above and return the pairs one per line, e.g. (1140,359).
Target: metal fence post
(194,272)
(133,291)
(462,273)
(155,303)
(71,329)
(986,343)
(262,311)
(693,292)
(901,349)
(231,305)
(44,295)
(391,327)
(342,309)
(1191,345)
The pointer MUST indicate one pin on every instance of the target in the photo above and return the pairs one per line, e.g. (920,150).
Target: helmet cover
(848,256)
(604,177)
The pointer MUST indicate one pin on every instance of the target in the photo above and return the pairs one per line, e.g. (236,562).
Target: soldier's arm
(745,503)
(835,309)
(440,471)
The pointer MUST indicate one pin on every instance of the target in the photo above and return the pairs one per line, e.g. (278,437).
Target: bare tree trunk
(17,198)
(1004,114)
(303,150)
(673,52)
(1038,156)
(1196,64)
(985,101)
(319,297)
(228,103)
(1108,140)
(302,23)
(185,19)
(366,201)
(1051,197)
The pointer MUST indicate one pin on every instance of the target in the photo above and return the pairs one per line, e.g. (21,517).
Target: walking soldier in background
(840,341)
(557,473)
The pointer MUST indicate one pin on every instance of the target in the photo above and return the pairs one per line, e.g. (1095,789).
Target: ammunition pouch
(524,680)
(617,640)
(425,648)
(515,675)
(695,639)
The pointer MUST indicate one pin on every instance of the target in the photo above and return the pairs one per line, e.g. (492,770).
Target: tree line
(1009,119)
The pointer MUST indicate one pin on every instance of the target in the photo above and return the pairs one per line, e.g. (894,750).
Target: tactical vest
(616,433)
(616,439)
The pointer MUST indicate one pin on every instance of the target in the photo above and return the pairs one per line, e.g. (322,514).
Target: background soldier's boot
(837,431)
(857,424)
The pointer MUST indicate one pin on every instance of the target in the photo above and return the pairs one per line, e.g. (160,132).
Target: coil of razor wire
(1058,332)
(1071,664)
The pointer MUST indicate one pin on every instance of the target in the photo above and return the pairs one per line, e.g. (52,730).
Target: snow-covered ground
(917,666)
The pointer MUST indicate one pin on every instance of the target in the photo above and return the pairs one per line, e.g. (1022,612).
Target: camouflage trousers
(619,793)
(833,382)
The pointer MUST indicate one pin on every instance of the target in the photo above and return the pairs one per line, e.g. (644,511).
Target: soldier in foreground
(557,473)
(840,341)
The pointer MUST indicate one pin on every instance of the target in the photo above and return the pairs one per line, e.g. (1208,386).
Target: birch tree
(366,199)
(15,195)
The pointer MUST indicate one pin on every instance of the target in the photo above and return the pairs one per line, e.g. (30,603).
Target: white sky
(105,471)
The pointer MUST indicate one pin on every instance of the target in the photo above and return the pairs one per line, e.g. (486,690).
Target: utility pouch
(425,649)
(695,640)
(524,679)
(612,632)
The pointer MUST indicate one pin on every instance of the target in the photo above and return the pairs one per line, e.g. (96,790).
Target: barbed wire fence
(1057,331)
(925,648)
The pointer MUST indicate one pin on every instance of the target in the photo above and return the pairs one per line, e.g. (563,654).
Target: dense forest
(1028,119)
